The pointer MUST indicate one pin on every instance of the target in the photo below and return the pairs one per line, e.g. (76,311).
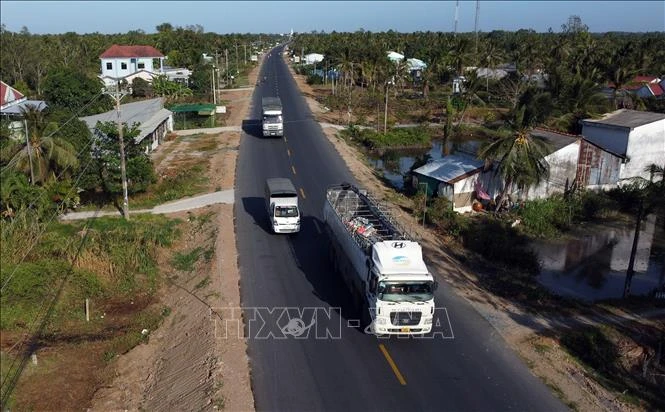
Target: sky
(41,17)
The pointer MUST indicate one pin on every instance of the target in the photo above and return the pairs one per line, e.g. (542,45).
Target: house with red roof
(129,62)
(12,104)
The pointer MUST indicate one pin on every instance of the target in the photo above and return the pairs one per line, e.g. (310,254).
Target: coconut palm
(520,160)
(44,153)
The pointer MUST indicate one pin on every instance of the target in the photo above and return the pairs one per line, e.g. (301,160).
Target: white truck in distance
(273,124)
(282,205)
(383,269)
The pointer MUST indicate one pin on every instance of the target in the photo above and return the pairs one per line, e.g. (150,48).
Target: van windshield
(286,211)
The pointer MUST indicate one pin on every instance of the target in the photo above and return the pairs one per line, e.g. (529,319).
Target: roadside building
(154,121)
(12,105)
(619,146)
(129,62)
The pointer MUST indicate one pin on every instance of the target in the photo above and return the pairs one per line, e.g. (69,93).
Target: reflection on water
(593,265)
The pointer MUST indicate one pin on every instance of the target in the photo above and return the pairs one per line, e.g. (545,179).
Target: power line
(42,232)
(75,116)
(9,381)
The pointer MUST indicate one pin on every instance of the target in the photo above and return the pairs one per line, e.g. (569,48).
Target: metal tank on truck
(273,124)
(383,269)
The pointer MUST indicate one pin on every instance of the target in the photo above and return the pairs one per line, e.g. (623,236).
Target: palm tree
(648,195)
(520,161)
(44,153)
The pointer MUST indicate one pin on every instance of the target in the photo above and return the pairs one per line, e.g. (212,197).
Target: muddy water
(394,164)
(592,265)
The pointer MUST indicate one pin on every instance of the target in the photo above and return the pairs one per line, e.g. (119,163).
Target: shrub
(498,242)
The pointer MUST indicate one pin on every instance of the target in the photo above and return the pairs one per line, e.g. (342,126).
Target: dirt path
(188,363)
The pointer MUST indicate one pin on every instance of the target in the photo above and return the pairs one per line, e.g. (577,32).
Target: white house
(636,137)
(154,121)
(129,62)
(120,62)
(462,178)
(313,58)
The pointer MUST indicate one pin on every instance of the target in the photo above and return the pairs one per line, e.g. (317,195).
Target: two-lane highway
(287,279)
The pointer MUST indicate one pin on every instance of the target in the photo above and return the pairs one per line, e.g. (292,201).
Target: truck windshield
(406,291)
(272,119)
(286,211)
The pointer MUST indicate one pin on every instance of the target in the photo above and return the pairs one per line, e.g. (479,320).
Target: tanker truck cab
(282,205)
(400,289)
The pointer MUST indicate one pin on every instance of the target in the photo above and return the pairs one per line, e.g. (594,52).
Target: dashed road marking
(293,169)
(392,364)
(302,192)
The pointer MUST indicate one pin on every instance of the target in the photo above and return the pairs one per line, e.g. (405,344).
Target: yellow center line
(302,192)
(392,364)
(293,169)
(288,151)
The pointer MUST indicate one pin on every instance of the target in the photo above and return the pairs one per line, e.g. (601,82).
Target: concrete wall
(646,145)
(132,65)
(563,168)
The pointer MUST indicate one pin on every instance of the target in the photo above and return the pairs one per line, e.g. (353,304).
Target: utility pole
(226,59)
(29,146)
(237,66)
(385,115)
(117,96)
(456,14)
(245,46)
(214,91)
(476,26)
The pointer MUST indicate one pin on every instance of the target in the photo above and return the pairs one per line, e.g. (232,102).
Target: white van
(282,205)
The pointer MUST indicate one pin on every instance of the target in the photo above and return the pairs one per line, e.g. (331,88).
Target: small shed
(455,177)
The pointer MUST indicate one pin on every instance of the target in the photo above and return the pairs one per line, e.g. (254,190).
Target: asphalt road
(465,366)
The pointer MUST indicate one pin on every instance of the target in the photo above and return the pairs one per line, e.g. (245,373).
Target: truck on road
(382,267)
(282,205)
(273,124)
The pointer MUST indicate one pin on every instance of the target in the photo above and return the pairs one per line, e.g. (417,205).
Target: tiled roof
(655,88)
(8,94)
(130,51)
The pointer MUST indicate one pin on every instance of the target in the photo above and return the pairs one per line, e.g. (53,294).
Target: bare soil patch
(188,364)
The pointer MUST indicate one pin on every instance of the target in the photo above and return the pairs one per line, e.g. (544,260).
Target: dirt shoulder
(189,363)
(521,330)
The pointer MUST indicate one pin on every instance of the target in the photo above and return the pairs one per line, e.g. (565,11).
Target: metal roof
(450,168)
(16,108)
(280,185)
(556,140)
(200,107)
(626,118)
(148,113)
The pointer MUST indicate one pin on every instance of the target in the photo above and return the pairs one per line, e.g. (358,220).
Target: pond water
(395,163)
(592,265)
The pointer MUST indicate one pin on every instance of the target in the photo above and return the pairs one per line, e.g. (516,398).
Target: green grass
(185,261)
(395,138)
(117,259)
(186,182)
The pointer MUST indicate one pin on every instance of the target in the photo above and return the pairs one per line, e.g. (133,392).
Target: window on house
(123,66)
(141,65)
(109,66)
